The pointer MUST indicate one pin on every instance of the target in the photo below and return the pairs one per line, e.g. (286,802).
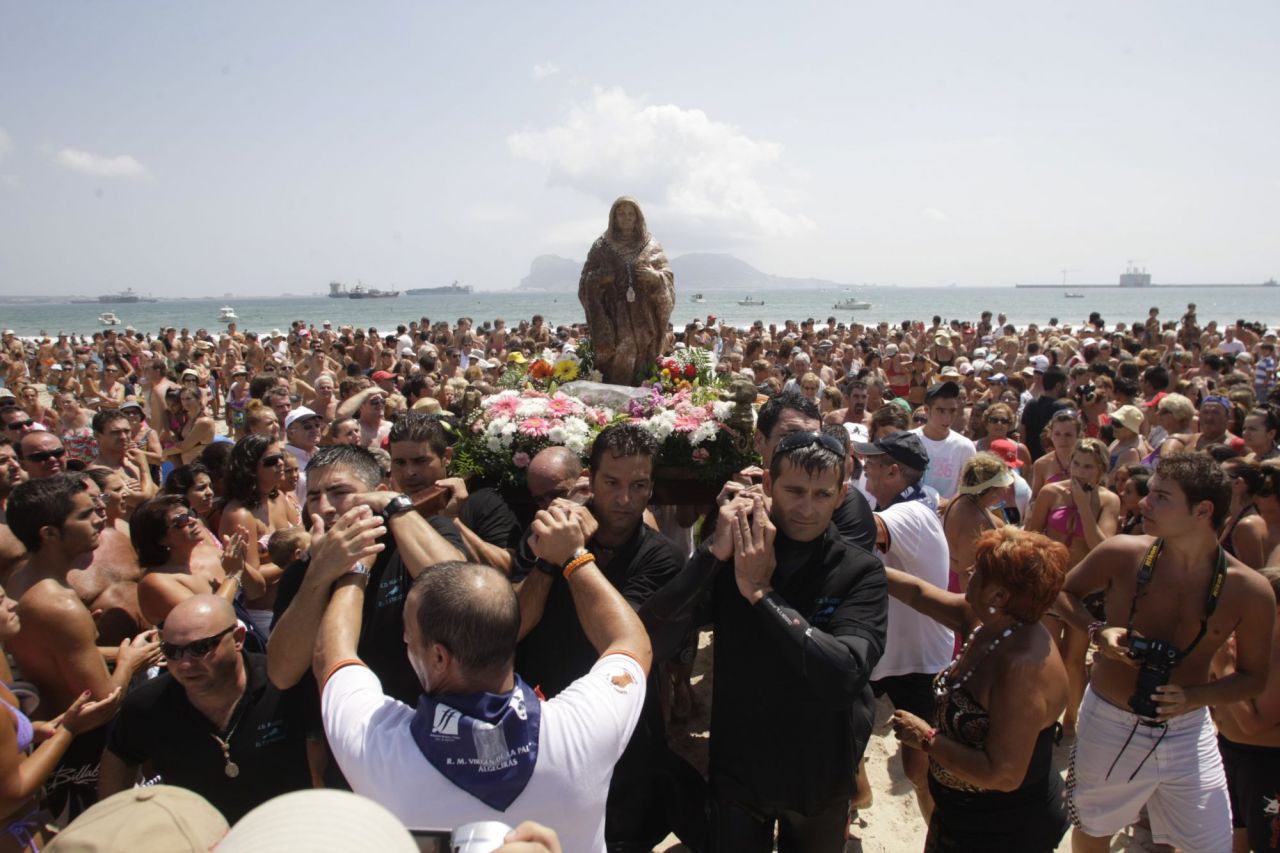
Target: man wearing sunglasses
(213,723)
(17,422)
(59,519)
(11,473)
(800,621)
(41,454)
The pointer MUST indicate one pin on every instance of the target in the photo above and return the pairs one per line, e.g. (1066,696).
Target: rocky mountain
(694,271)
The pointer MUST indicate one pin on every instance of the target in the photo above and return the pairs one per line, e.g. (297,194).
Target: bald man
(556,472)
(213,723)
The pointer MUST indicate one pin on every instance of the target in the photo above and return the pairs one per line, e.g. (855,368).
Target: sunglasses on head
(797,440)
(181,520)
(273,460)
(195,648)
(45,455)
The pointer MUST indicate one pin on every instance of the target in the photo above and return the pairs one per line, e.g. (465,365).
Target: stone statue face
(626,218)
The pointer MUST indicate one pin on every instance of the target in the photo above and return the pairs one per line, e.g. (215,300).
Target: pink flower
(701,455)
(520,460)
(535,427)
(687,423)
(504,407)
(561,406)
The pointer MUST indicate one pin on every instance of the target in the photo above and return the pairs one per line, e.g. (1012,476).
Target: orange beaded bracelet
(577,563)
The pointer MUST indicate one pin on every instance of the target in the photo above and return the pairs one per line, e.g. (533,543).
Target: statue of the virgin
(627,290)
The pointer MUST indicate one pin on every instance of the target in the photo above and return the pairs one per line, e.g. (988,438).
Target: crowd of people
(240,565)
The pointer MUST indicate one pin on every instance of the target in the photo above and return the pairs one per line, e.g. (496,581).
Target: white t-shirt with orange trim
(583,732)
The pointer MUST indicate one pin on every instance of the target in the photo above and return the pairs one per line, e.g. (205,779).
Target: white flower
(558,435)
(721,410)
(533,407)
(494,444)
(577,445)
(705,432)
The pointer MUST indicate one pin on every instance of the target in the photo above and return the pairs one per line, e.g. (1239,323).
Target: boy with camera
(1172,599)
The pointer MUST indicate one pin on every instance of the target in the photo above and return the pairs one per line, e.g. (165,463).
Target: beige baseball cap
(156,819)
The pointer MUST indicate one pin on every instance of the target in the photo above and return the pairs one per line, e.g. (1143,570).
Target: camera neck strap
(1148,569)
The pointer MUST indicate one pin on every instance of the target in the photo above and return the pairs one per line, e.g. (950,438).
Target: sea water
(891,304)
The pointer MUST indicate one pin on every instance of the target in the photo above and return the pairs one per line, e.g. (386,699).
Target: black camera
(1158,661)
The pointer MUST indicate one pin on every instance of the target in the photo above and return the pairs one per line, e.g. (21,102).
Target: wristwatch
(397,505)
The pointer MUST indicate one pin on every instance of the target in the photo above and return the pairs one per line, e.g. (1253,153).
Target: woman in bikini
(984,482)
(197,429)
(1080,513)
(1244,536)
(180,562)
(1065,429)
(256,501)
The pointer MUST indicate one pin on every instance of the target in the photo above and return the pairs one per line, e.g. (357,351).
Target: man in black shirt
(554,651)
(340,477)
(800,619)
(1039,411)
(420,455)
(213,723)
(782,415)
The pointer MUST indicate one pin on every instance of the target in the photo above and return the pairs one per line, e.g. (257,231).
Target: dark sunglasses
(195,648)
(45,455)
(1004,421)
(919,419)
(17,425)
(273,460)
(181,520)
(797,440)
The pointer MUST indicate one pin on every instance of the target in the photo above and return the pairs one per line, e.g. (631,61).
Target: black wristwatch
(397,505)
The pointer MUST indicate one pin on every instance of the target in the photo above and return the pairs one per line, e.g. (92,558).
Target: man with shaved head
(479,744)
(555,472)
(213,723)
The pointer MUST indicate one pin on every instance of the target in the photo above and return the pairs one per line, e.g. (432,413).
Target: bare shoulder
(47,602)
(1246,582)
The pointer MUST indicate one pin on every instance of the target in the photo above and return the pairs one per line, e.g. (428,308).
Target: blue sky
(249,147)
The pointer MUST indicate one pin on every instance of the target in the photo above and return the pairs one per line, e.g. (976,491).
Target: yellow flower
(566,371)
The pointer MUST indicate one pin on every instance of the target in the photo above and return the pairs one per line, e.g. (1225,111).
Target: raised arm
(836,663)
(354,538)
(611,625)
(948,609)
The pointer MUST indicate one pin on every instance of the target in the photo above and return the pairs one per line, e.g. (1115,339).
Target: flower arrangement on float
(503,434)
(684,368)
(548,369)
(695,429)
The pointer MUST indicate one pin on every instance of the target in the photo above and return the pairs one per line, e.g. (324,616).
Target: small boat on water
(851,304)
(751,303)
(698,299)
(1069,295)
(107,318)
(227,315)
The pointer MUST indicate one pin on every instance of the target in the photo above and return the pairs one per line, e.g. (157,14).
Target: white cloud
(705,179)
(6,144)
(543,70)
(935,214)
(120,166)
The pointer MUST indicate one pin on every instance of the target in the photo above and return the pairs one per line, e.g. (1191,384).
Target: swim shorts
(1120,762)
(1253,779)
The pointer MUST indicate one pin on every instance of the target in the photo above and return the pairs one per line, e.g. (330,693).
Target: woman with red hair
(997,705)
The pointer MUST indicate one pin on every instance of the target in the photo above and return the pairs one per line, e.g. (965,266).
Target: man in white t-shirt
(480,745)
(909,538)
(947,450)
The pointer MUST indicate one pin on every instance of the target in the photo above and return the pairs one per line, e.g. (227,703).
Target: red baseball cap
(380,375)
(1155,401)
(1006,450)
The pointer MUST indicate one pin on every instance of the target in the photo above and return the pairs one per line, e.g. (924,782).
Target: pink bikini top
(1066,520)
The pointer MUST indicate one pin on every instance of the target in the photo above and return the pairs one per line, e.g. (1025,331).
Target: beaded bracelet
(1094,628)
(577,563)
